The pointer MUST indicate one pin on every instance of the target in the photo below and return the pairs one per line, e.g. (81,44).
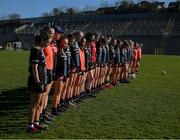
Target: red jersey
(49,54)
(135,53)
(93,51)
(139,53)
(82,59)
(54,48)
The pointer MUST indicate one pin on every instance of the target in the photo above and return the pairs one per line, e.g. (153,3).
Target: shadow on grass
(14,106)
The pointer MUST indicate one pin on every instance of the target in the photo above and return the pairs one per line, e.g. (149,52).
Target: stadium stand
(149,28)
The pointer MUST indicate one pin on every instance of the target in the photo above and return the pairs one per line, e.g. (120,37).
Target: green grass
(13,69)
(148,107)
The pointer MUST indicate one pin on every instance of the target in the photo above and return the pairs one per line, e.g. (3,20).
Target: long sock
(36,122)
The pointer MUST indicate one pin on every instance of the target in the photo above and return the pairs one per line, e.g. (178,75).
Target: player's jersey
(124,55)
(135,54)
(104,56)
(68,54)
(82,59)
(87,52)
(93,52)
(99,56)
(111,54)
(37,57)
(139,54)
(62,64)
(49,54)
(75,60)
(117,60)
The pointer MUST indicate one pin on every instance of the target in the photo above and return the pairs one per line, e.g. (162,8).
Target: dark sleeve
(107,56)
(34,56)
(104,56)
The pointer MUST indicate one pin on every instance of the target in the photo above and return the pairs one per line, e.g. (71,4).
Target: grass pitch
(148,107)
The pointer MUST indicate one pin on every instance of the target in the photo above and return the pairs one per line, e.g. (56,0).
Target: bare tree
(14,16)
(124,2)
(104,3)
(45,14)
(117,3)
(55,11)
(77,10)
(72,10)
(58,11)
(89,8)
(62,9)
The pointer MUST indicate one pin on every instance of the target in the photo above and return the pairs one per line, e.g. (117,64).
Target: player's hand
(39,87)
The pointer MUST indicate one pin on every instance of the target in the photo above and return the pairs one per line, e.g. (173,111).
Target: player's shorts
(50,76)
(92,66)
(32,87)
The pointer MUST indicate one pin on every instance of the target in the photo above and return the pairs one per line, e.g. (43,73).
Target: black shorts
(92,66)
(50,76)
(32,87)
(73,70)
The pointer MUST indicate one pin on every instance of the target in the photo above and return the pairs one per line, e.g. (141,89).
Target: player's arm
(35,72)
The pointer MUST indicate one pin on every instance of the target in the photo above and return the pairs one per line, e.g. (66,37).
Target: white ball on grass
(163,72)
(133,76)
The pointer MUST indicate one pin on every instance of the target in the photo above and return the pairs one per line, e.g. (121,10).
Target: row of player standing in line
(74,66)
